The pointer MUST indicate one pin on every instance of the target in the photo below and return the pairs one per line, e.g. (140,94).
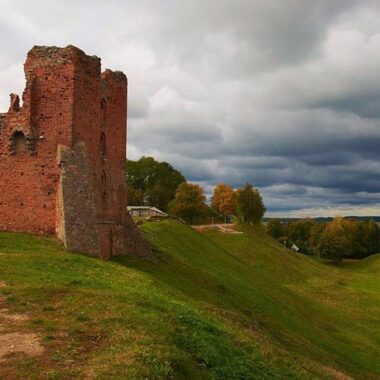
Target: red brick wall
(70,181)
(29,179)
(114,127)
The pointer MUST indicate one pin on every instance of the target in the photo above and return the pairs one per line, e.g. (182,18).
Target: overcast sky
(281,93)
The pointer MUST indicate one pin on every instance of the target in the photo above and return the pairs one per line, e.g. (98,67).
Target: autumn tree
(250,204)
(334,243)
(364,238)
(361,238)
(189,202)
(343,237)
(224,200)
(151,182)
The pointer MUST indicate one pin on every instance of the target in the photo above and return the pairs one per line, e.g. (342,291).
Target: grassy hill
(211,305)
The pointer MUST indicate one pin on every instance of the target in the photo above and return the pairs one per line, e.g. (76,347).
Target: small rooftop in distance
(146,208)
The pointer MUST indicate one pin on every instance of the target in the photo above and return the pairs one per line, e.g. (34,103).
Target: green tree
(151,182)
(350,228)
(189,202)
(285,241)
(316,232)
(134,197)
(299,233)
(274,228)
(359,250)
(250,204)
(372,237)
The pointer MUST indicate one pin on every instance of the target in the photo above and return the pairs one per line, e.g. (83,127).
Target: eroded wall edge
(77,219)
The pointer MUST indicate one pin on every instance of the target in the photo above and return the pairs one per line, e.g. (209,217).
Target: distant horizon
(322,213)
(321,217)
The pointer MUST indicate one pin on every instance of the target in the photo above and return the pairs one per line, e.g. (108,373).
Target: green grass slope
(211,306)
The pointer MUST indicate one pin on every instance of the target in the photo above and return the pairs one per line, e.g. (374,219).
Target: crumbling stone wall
(62,154)
(76,187)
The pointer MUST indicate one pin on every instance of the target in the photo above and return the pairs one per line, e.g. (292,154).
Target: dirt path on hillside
(337,375)
(13,341)
(226,228)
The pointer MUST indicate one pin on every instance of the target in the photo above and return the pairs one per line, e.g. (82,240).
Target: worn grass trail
(211,305)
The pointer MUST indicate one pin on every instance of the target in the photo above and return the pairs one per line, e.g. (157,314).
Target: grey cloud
(367,106)
(282,94)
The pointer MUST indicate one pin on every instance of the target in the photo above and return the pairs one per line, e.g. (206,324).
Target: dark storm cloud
(284,94)
(367,106)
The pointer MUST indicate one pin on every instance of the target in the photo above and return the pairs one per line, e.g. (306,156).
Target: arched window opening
(19,142)
(103,185)
(102,146)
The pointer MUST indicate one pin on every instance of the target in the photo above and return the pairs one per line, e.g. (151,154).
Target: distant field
(211,306)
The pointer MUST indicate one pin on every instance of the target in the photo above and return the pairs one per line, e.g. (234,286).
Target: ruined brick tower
(62,155)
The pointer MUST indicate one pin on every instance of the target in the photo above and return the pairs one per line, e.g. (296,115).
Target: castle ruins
(62,155)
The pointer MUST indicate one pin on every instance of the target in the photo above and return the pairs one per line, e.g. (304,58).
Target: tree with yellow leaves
(334,243)
(224,200)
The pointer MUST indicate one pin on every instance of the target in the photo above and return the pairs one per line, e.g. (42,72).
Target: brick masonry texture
(62,155)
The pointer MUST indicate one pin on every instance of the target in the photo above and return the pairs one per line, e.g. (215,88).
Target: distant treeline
(323,219)
(337,239)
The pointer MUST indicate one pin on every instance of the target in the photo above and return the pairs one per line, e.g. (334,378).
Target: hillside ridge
(211,305)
